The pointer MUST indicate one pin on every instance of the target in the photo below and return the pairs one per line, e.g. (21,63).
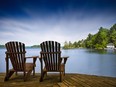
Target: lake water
(82,61)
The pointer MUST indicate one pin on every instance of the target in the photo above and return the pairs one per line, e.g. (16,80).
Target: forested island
(35,46)
(1,46)
(95,41)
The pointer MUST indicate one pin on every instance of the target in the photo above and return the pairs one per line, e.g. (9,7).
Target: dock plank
(52,80)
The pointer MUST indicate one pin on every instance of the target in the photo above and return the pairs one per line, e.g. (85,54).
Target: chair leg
(42,76)
(45,72)
(27,75)
(33,71)
(24,76)
(8,75)
(64,71)
(60,76)
(16,73)
(34,60)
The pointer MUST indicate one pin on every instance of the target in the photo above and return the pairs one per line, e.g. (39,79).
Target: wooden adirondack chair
(16,53)
(51,55)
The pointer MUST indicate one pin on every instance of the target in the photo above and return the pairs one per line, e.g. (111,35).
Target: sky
(35,21)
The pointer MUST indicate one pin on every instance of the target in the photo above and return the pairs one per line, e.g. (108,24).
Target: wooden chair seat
(29,66)
(62,67)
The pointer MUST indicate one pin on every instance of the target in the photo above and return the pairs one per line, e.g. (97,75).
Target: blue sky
(34,21)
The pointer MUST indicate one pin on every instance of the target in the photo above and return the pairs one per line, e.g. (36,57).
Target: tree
(65,45)
(102,38)
(113,34)
(88,41)
(75,44)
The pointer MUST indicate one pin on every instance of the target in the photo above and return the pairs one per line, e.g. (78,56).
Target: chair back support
(16,53)
(50,52)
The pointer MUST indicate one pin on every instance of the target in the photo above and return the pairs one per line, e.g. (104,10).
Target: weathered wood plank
(52,80)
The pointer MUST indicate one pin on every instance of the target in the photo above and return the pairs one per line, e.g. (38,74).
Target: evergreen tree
(113,34)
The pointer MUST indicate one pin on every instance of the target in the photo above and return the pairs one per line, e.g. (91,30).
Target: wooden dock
(52,80)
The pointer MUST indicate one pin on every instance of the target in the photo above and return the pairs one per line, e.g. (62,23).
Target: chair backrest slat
(50,51)
(16,53)
(55,56)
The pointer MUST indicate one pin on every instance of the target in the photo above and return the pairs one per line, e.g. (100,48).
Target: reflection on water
(83,61)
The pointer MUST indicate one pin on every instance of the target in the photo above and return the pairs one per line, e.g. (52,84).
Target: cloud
(71,26)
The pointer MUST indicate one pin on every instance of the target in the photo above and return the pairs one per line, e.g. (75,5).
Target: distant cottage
(110,45)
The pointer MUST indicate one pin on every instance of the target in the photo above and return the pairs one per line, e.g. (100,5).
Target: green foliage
(97,41)
(113,34)
(68,45)
(35,46)
(2,46)
(101,39)
(88,41)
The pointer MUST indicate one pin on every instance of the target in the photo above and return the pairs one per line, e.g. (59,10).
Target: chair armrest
(40,59)
(32,57)
(65,58)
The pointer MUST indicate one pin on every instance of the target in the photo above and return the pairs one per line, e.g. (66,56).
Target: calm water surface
(82,61)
